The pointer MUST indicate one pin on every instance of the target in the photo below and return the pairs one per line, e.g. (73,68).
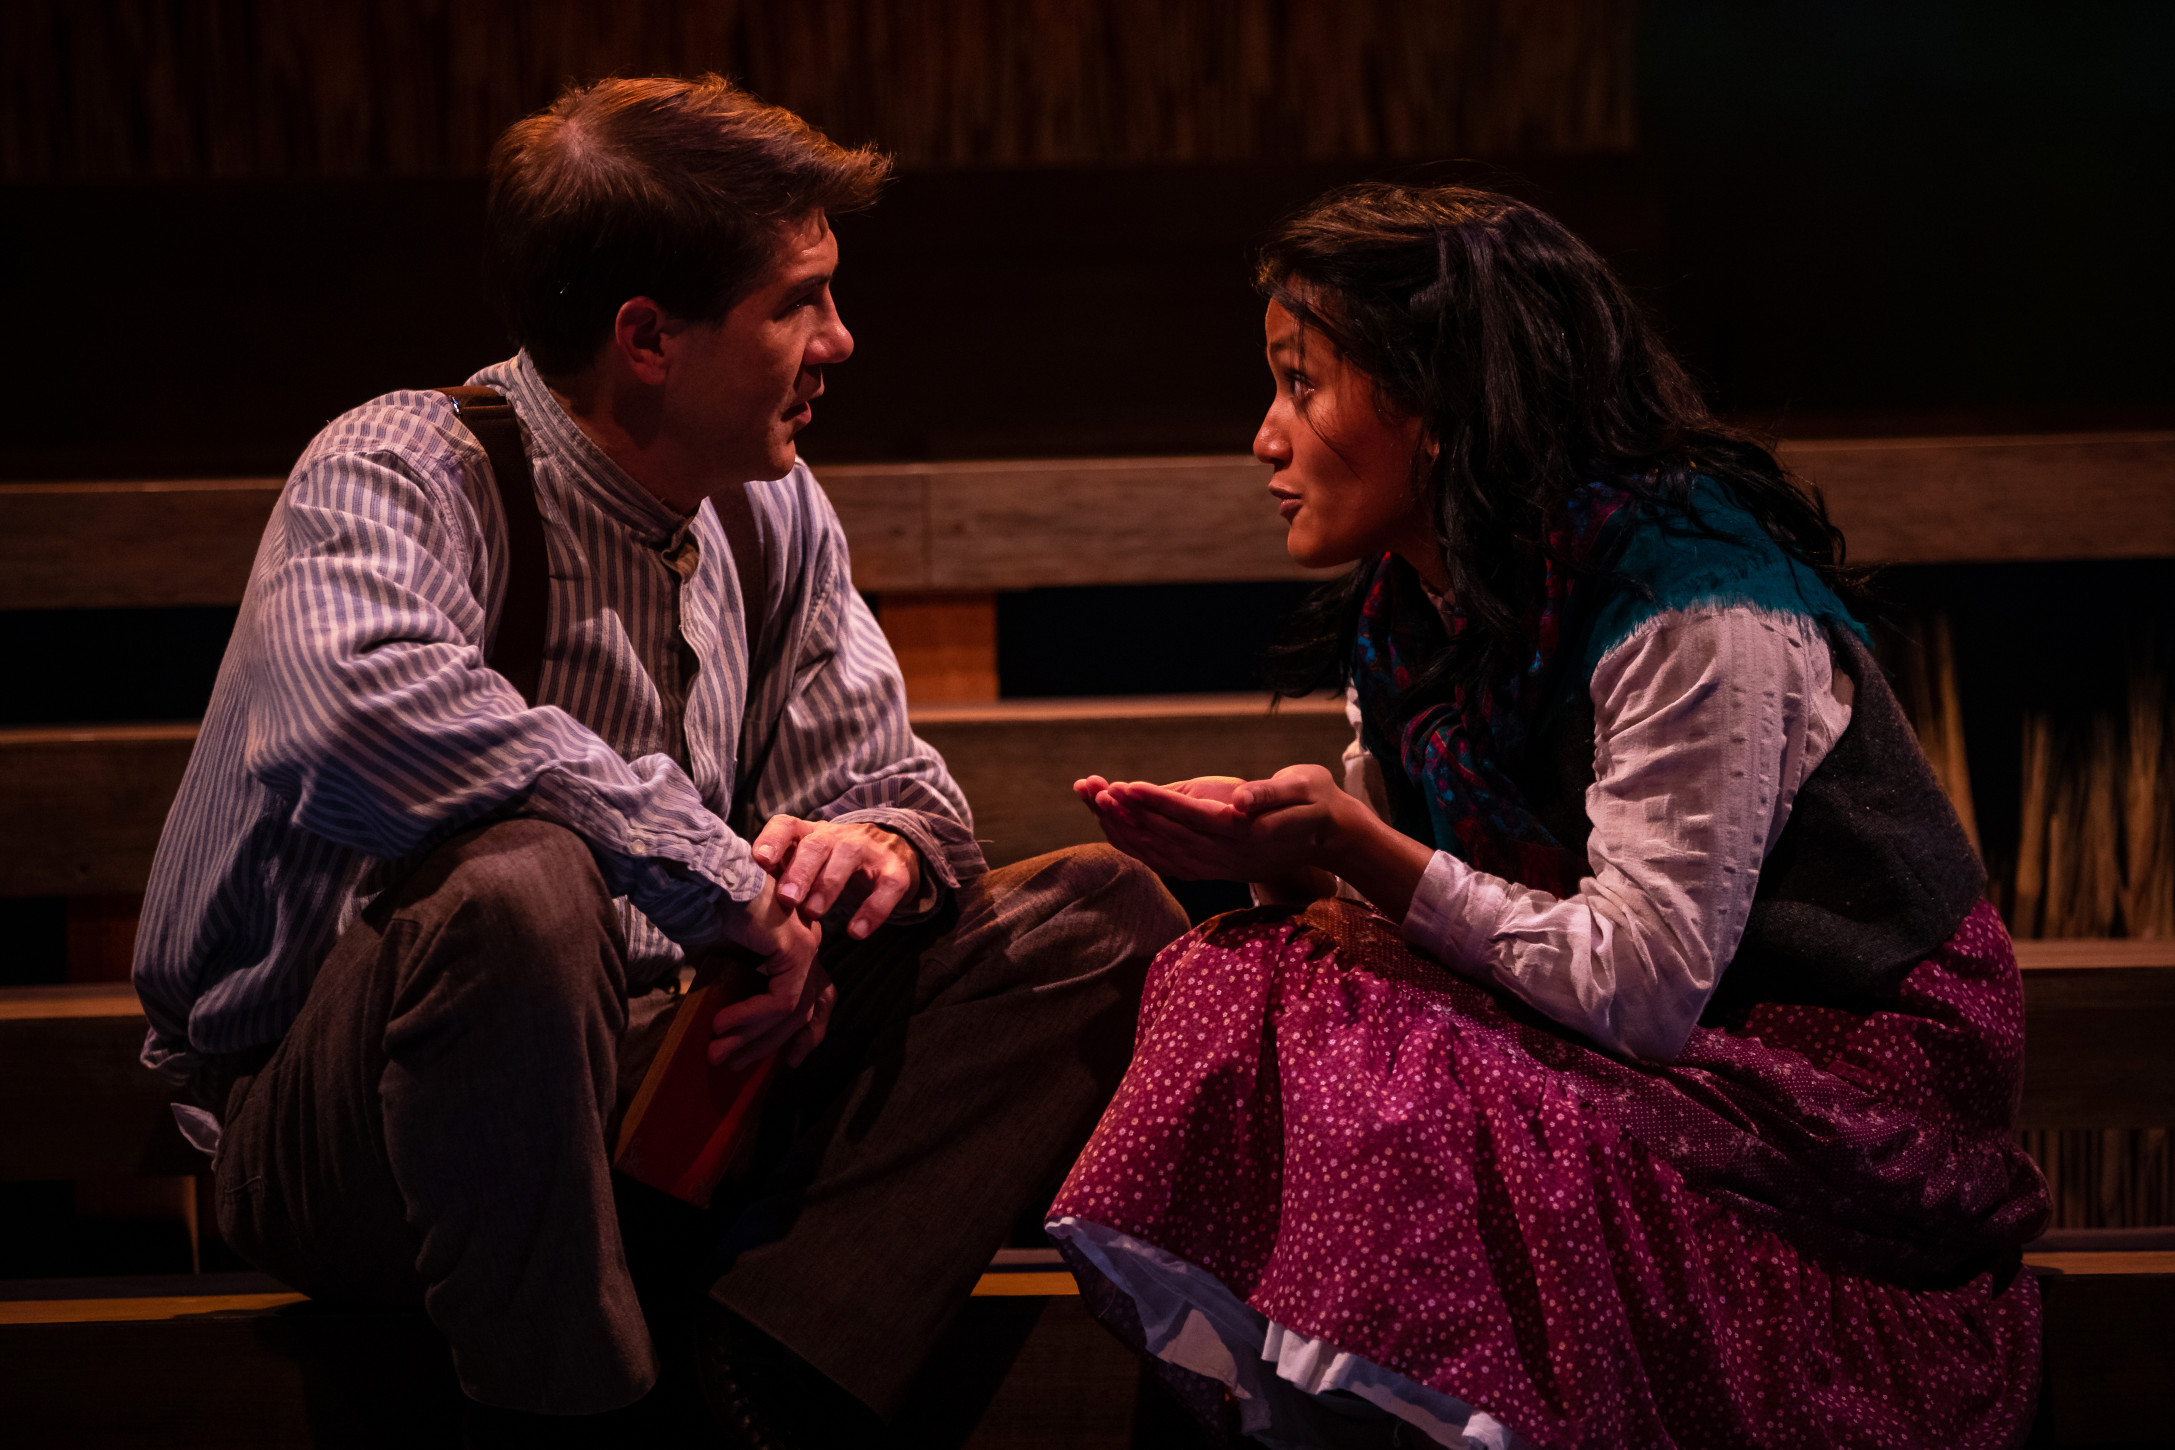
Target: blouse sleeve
(1706,723)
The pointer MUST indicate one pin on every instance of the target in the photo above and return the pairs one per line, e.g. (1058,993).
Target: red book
(690,1124)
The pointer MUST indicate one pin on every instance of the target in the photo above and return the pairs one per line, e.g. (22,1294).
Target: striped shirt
(355,724)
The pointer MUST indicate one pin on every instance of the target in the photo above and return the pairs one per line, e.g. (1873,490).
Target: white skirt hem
(1190,1319)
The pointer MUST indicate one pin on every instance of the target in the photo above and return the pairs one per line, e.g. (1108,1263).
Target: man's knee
(1130,901)
(523,893)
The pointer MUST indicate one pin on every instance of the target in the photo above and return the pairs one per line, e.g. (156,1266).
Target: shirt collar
(589,467)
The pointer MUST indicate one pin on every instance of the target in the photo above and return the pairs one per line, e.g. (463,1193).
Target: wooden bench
(237,1360)
(938,541)
(80,811)
(225,1360)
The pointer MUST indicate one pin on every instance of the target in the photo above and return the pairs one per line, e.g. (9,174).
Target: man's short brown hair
(675,190)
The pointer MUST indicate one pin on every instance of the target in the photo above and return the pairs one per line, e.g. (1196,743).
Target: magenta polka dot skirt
(1339,1182)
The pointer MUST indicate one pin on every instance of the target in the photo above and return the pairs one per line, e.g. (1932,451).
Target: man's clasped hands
(812,866)
(1290,835)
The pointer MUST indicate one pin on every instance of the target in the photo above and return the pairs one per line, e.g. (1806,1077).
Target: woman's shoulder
(1707,560)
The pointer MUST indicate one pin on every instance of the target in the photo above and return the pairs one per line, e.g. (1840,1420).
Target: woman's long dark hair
(1536,373)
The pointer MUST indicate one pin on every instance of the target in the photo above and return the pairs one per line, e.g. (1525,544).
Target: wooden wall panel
(1927,500)
(948,527)
(116,89)
(83,809)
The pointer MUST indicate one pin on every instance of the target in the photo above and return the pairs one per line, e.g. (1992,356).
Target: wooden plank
(1029,524)
(71,1001)
(133,1311)
(2042,954)
(2099,1042)
(946,646)
(77,1102)
(1017,761)
(81,810)
(1981,499)
(1105,521)
(130,545)
(310,1374)
(2117,1261)
(884,510)
(1018,1286)
(2108,1356)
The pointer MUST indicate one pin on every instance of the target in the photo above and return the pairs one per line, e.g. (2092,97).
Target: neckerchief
(1455,790)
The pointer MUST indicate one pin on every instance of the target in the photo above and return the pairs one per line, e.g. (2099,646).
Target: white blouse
(1706,723)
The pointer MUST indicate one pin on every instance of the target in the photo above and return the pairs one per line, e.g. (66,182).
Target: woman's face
(1344,475)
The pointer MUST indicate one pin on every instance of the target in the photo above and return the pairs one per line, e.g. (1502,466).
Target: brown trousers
(434,1128)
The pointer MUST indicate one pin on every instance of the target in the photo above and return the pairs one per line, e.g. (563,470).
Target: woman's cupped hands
(1222,828)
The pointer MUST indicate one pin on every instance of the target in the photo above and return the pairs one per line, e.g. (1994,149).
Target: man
(411,936)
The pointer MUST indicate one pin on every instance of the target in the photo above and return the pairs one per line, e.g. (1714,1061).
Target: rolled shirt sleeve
(842,748)
(1707,722)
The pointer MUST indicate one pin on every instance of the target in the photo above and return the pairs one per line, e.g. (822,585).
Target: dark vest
(1871,874)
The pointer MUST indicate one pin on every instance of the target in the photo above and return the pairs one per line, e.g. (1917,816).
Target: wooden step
(81,809)
(2109,1347)
(2099,1033)
(75,1102)
(236,1360)
(1022,525)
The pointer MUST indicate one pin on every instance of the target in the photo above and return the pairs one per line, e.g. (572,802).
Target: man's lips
(803,409)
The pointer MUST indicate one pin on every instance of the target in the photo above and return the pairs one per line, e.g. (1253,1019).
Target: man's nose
(833,344)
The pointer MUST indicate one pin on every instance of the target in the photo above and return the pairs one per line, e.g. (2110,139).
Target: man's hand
(793,1011)
(817,863)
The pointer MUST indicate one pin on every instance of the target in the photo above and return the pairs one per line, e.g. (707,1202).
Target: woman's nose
(1270,444)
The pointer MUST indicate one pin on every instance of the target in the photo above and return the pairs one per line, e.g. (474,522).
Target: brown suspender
(517,646)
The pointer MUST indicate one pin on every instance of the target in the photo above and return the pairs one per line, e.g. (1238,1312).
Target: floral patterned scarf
(1455,790)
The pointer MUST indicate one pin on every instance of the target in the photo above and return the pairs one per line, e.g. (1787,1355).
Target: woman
(1624,1055)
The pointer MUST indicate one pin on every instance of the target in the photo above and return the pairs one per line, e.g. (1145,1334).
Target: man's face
(742,386)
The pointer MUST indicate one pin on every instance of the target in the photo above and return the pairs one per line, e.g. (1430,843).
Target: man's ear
(638,336)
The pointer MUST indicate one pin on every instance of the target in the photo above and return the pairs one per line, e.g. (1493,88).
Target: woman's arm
(1706,724)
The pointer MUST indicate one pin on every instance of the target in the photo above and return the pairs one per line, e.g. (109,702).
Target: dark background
(1851,218)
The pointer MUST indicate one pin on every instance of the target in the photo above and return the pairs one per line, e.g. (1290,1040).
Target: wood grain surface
(75,1102)
(1984,499)
(2108,1335)
(81,810)
(1023,525)
(2099,1042)
(130,545)
(129,89)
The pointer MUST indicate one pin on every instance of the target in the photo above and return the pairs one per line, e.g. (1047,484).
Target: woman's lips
(1288,507)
